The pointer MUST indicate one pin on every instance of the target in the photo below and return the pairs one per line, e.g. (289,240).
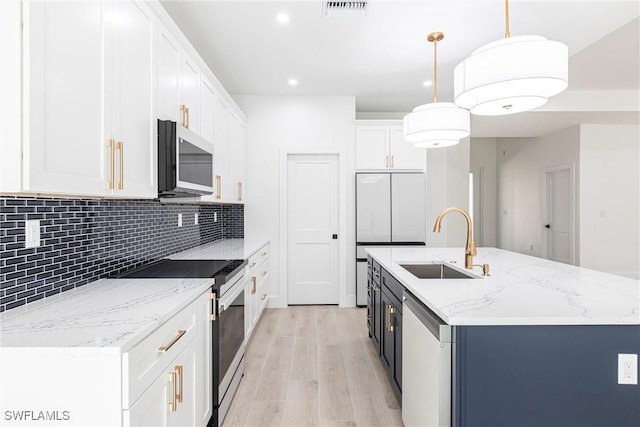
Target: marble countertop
(105,314)
(113,313)
(521,290)
(223,249)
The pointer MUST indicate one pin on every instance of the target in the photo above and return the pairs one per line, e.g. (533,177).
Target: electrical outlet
(215,217)
(179,220)
(195,219)
(32,233)
(628,369)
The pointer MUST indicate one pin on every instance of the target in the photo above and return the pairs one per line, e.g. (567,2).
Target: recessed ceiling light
(293,82)
(427,83)
(282,18)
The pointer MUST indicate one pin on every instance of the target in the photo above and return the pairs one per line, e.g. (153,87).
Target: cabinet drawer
(143,363)
(392,284)
(257,258)
(259,275)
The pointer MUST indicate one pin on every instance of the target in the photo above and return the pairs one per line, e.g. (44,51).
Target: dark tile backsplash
(85,240)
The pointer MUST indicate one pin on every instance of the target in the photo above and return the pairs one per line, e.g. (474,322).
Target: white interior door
(558,224)
(312,207)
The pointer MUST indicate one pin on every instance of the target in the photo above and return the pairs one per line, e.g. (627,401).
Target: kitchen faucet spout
(470,247)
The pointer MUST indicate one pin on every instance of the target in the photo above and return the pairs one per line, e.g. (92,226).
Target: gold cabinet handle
(173,405)
(392,310)
(187,112)
(166,348)
(264,273)
(112,155)
(253,285)
(387,162)
(213,312)
(183,110)
(239,191)
(218,186)
(179,378)
(263,296)
(253,264)
(391,161)
(120,147)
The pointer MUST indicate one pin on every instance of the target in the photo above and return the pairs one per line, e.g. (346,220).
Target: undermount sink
(435,271)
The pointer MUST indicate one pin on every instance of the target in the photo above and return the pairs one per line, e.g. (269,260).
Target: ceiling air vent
(345,8)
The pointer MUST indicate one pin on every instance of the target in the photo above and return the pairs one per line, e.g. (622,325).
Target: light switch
(32,233)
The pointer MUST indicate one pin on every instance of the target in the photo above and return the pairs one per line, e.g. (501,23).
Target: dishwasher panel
(426,354)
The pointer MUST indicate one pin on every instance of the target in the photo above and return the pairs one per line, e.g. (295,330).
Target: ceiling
(383,58)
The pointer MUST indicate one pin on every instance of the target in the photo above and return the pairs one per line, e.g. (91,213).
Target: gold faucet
(470,248)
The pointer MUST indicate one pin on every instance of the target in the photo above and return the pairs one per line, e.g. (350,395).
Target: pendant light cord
(435,71)
(435,38)
(507,34)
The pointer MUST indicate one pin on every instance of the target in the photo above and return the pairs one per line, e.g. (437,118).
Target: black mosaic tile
(85,240)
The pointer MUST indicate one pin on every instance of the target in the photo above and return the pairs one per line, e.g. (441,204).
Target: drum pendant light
(511,75)
(439,124)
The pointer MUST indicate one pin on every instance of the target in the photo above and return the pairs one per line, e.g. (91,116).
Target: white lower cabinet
(181,394)
(257,288)
(172,398)
(162,380)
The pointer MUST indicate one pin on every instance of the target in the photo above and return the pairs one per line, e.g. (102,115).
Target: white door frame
(341,152)
(544,196)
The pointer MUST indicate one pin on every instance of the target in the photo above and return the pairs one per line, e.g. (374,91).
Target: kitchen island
(535,343)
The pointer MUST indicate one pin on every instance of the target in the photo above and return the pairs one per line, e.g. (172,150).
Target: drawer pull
(264,253)
(375,273)
(253,285)
(264,273)
(253,264)
(173,405)
(263,296)
(166,348)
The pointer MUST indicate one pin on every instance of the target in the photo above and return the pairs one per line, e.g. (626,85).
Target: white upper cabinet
(168,76)
(131,105)
(89,98)
(372,147)
(207,111)
(189,94)
(404,155)
(85,83)
(383,147)
(63,145)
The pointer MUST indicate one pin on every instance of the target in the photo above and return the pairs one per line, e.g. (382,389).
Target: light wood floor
(313,366)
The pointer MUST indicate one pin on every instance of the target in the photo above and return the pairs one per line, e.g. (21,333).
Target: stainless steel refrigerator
(390,210)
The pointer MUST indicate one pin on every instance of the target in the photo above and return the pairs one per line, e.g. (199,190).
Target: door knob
(547,226)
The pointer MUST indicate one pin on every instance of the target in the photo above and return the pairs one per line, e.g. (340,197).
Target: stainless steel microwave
(185,162)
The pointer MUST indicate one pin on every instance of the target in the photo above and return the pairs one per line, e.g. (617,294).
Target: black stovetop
(221,270)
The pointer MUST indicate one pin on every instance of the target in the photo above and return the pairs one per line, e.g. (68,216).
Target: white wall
(448,185)
(610,198)
(279,123)
(483,156)
(519,164)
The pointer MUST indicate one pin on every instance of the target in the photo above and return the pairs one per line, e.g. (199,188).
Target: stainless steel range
(228,299)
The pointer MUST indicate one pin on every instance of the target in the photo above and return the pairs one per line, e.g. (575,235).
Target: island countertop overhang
(522,290)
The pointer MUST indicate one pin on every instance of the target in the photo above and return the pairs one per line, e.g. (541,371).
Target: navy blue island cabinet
(543,375)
